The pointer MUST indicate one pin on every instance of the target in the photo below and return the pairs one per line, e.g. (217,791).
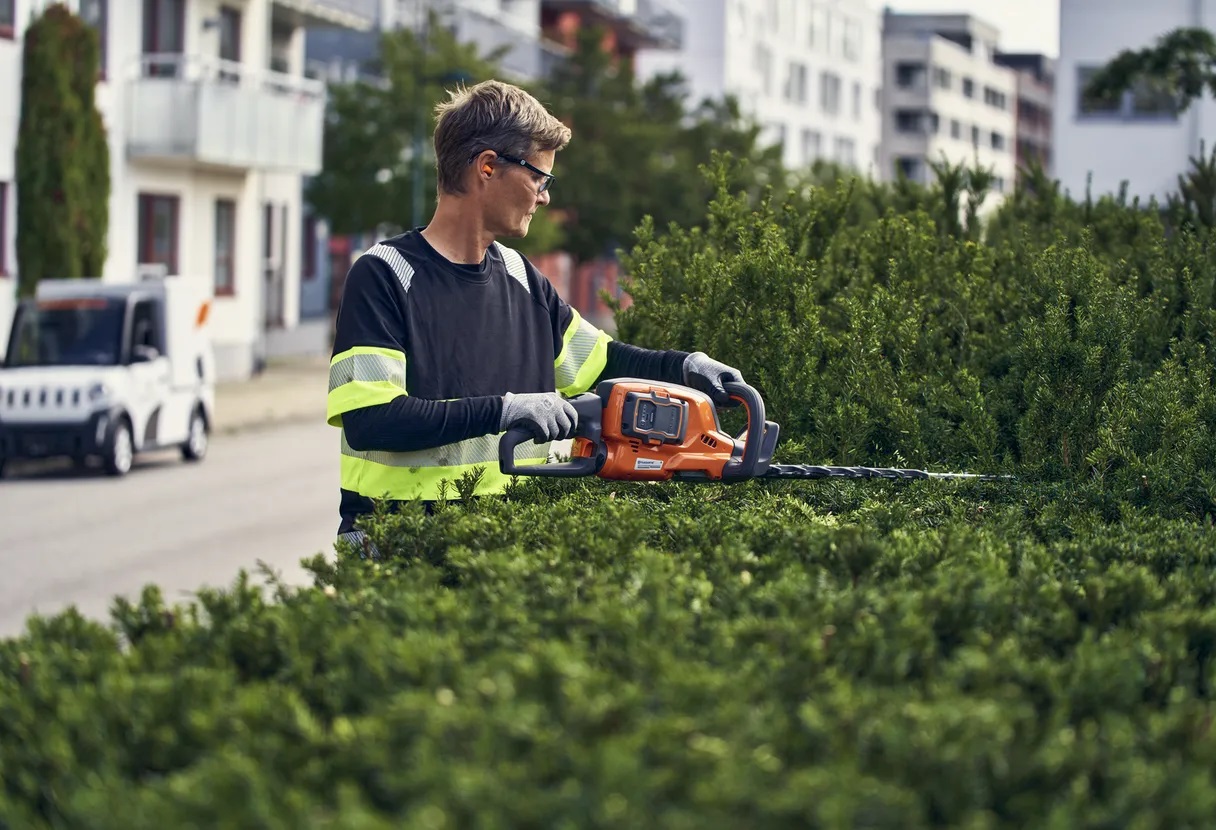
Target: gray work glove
(547,415)
(707,375)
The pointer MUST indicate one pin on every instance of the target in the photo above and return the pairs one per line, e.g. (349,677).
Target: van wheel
(119,452)
(195,446)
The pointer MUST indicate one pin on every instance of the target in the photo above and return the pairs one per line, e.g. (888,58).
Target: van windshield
(68,332)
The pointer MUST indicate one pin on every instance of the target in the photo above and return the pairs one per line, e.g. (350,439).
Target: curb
(269,421)
(283,395)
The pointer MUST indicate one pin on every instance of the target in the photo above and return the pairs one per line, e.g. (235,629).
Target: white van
(109,370)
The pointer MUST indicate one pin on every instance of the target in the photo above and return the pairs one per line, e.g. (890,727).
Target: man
(445,337)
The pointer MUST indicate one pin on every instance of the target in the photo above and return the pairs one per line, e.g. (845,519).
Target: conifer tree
(63,166)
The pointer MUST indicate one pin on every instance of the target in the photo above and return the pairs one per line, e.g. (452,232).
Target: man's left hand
(707,375)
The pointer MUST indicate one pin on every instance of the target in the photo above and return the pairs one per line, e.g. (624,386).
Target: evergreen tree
(377,125)
(638,149)
(63,177)
(1177,69)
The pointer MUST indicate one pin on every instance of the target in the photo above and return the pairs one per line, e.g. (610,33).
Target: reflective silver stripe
(367,368)
(577,352)
(515,265)
(479,450)
(362,543)
(391,256)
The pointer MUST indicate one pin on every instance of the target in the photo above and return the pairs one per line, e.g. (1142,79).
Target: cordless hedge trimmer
(641,430)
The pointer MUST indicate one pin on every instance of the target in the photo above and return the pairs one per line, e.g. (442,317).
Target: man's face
(514,194)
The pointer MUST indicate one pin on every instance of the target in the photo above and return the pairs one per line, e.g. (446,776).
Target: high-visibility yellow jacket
(424,342)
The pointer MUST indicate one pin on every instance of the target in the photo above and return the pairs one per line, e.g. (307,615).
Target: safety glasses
(546,178)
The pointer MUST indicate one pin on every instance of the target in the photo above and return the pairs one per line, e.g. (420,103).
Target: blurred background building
(1035,94)
(212,126)
(215,108)
(809,72)
(946,97)
(1139,138)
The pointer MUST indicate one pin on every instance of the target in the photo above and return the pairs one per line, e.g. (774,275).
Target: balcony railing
(205,111)
(351,14)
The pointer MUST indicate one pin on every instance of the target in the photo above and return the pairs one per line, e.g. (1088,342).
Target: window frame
(147,202)
(225,287)
(8,28)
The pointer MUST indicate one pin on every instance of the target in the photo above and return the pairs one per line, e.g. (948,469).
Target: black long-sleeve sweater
(410,423)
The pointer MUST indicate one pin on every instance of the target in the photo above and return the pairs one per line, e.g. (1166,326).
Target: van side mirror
(144,354)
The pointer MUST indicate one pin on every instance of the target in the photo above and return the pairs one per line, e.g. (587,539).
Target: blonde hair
(491,115)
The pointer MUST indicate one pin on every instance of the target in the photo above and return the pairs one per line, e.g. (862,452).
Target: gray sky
(1026,25)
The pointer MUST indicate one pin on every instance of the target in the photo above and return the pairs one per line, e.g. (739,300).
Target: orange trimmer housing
(631,429)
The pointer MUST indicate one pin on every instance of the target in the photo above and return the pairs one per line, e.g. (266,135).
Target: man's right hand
(547,415)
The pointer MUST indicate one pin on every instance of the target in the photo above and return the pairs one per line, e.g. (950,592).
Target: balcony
(359,15)
(201,111)
(637,24)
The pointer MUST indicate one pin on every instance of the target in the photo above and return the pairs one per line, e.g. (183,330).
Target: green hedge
(1069,342)
(782,654)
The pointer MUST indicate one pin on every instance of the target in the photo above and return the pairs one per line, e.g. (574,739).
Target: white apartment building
(211,127)
(807,70)
(1139,139)
(509,25)
(946,97)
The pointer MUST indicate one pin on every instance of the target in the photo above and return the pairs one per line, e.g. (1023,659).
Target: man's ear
(486,160)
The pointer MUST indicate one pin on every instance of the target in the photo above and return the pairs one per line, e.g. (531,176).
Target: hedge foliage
(770,654)
(779,655)
(1064,341)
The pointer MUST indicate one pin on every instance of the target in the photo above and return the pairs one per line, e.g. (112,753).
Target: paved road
(69,537)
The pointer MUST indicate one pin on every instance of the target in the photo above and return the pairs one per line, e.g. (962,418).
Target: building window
(968,88)
(998,141)
(225,247)
(267,232)
(8,18)
(916,122)
(909,75)
(164,35)
(995,98)
(777,131)
(230,43)
(956,129)
(158,229)
(1094,104)
(811,146)
(309,237)
(941,77)
(1151,100)
(829,93)
(846,152)
(909,167)
(3,229)
(96,13)
(230,34)
(795,83)
(1145,101)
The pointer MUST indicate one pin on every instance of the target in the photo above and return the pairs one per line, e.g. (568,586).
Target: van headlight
(98,393)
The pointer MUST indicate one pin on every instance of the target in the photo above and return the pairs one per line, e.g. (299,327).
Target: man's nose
(542,198)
